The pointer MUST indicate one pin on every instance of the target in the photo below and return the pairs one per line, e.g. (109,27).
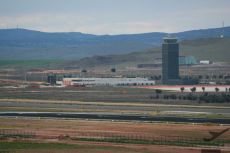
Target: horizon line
(18,28)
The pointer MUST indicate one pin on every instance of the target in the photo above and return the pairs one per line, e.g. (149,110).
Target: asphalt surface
(166,108)
(125,117)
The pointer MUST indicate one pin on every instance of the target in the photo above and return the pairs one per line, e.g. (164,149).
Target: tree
(200,77)
(159,77)
(84,71)
(172,96)
(156,77)
(113,70)
(221,76)
(191,96)
(203,88)
(182,89)
(193,89)
(217,89)
(214,76)
(158,91)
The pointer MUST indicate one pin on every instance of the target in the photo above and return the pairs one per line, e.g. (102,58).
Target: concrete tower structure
(170,61)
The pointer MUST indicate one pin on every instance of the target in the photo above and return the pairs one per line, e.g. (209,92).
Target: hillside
(22,44)
(215,49)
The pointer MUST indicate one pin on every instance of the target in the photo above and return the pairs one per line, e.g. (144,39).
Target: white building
(107,81)
(206,62)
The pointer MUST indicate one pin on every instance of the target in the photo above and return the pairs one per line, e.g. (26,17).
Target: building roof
(170,39)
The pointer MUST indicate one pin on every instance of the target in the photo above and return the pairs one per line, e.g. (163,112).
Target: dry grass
(72,127)
(48,128)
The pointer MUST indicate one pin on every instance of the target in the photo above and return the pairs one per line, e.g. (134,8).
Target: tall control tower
(170,61)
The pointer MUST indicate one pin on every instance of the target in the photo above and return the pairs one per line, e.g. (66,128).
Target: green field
(31,145)
(10,146)
(30,63)
(24,147)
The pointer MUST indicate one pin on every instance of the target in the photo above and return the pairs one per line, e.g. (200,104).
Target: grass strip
(156,142)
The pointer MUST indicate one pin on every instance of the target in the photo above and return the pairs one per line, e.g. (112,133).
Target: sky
(114,16)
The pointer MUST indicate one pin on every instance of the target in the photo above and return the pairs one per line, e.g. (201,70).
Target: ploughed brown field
(55,131)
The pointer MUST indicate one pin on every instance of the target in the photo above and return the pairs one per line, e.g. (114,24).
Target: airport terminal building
(106,82)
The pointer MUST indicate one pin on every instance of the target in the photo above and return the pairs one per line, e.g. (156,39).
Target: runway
(119,107)
(120,117)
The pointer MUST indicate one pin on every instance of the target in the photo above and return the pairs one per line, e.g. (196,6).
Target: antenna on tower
(169,35)
(17,27)
(222,35)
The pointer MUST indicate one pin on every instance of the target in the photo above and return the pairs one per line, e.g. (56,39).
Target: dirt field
(48,130)
(48,127)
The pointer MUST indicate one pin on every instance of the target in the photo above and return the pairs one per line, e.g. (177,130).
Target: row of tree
(207,98)
(203,88)
(221,76)
(225,77)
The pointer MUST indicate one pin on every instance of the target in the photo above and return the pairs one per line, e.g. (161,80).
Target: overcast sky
(114,16)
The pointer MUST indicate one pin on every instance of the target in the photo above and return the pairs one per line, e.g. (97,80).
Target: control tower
(170,61)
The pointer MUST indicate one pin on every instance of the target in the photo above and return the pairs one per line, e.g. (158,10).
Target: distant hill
(215,49)
(22,44)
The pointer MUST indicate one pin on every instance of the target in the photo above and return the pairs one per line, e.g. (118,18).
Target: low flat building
(107,82)
(187,60)
(205,62)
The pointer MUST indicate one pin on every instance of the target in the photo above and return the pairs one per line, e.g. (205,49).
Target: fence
(143,138)
(114,137)
(11,133)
